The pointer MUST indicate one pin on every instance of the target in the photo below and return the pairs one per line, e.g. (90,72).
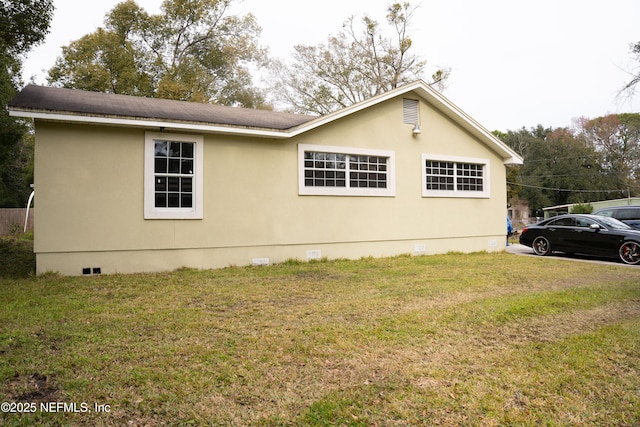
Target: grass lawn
(474,340)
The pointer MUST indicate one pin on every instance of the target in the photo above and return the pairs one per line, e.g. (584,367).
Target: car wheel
(541,246)
(629,253)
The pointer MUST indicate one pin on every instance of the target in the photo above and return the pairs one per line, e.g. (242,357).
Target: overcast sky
(513,63)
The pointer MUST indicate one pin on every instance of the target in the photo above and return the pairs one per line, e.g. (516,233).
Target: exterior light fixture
(416,129)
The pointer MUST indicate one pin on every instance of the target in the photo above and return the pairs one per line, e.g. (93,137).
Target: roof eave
(149,123)
(509,156)
(419,87)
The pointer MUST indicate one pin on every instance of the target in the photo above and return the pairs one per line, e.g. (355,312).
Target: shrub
(582,208)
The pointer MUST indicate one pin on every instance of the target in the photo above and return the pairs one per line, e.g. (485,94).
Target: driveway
(519,249)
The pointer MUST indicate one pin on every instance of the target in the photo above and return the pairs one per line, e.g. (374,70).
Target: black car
(630,215)
(584,234)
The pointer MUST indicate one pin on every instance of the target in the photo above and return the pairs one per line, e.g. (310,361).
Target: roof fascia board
(509,156)
(149,124)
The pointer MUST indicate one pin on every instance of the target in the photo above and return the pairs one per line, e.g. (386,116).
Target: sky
(514,63)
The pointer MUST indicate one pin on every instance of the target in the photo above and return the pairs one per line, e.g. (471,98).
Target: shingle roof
(71,105)
(48,99)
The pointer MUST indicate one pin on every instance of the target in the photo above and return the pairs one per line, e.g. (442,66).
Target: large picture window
(173,176)
(343,171)
(454,176)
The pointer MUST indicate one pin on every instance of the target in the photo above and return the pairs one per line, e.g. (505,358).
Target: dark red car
(584,234)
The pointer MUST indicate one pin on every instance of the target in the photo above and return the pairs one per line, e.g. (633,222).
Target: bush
(16,258)
(582,208)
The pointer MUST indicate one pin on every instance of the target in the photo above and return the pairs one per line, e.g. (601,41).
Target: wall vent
(314,254)
(410,111)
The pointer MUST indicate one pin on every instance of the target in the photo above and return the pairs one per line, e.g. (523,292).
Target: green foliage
(16,257)
(112,66)
(23,24)
(598,160)
(582,208)
(191,51)
(617,138)
(16,161)
(354,65)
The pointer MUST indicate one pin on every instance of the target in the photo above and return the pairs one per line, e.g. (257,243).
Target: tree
(630,87)
(617,138)
(103,61)
(192,51)
(558,168)
(356,64)
(597,159)
(23,24)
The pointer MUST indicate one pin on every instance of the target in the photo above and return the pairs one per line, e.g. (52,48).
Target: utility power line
(567,189)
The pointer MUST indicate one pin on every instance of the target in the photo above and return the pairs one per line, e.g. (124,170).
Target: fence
(12,221)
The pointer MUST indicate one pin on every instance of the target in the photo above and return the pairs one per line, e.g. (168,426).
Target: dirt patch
(556,327)
(35,388)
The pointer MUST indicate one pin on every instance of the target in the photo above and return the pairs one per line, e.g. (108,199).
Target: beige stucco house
(131,184)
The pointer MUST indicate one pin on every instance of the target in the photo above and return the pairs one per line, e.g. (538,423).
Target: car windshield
(613,223)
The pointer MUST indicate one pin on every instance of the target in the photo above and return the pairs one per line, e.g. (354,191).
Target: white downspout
(26,216)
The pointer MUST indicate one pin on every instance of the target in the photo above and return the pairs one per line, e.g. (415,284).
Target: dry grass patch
(481,339)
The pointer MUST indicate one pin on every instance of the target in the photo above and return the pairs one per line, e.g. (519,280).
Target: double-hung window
(340,171)
(444,176)
(173,176)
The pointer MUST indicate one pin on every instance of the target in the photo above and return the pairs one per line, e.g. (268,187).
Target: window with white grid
(344,171)
(367,171)
(454,176)
(325,169)
(470,177)
(440,175)
(173,176)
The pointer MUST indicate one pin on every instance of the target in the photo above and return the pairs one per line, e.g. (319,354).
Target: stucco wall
(89,189)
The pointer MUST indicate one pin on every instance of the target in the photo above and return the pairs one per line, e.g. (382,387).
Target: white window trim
(486,184)
(150,211)
(390,191)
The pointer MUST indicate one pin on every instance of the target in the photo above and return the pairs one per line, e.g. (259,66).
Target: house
(131,184)
(551,211)
(518,211)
